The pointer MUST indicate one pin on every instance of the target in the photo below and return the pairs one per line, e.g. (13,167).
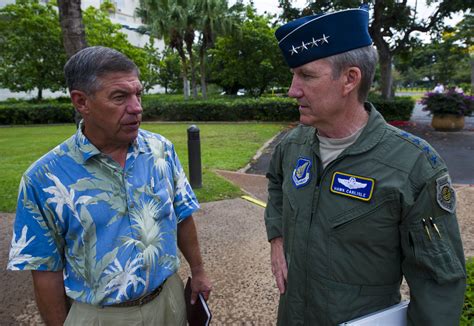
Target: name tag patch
(352,186)
(302,172)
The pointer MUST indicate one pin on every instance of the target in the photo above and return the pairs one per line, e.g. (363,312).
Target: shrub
(467,317)
(30,113)
(222,109)
(174,108)
(396,109)
(448,103)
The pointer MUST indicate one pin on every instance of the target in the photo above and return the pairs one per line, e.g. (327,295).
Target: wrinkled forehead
(126,81)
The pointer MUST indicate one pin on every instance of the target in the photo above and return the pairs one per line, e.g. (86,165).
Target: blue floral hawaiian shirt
(112,230)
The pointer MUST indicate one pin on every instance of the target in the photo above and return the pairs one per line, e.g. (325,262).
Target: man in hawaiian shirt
(100,217)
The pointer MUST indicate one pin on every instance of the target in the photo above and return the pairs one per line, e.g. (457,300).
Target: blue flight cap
(314,37)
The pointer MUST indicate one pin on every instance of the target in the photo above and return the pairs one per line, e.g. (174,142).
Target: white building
(125,15)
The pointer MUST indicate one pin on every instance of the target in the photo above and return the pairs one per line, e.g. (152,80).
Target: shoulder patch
(445,195)
(302,173)
(430,154)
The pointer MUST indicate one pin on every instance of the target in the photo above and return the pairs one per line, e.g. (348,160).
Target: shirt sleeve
(274,209)
(36,244)
(433,260)
(184,201)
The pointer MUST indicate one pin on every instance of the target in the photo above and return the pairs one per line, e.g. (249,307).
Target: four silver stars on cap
(312,43)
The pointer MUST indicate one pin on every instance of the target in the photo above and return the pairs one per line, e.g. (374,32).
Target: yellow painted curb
(255,201)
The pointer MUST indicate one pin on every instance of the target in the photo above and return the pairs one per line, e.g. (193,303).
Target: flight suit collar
(372,133)
(370,136)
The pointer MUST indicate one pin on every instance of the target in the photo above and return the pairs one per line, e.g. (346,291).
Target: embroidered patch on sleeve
(302,172)
(352,186)
(445,195)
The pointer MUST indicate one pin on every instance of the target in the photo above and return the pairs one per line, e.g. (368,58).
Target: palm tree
(190,15)
(164,19)
(70,18)
(216,18)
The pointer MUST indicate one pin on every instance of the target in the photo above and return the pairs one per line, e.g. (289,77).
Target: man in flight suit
(354,203)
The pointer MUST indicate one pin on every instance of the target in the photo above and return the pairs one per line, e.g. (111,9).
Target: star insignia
(293,50)
(303,46)
(314,43)
(325,38)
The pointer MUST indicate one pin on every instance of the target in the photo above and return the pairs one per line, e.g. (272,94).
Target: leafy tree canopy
(169,73)
(31,51)
(444,60)
(251,60)
(100,30)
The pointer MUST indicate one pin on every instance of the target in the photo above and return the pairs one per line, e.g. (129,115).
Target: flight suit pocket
(379,211)
(429,253)
(365,237)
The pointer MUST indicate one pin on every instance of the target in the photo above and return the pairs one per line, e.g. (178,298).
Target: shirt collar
(88,150)
(372,132)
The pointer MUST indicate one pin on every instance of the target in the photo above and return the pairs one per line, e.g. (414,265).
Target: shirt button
(132,205)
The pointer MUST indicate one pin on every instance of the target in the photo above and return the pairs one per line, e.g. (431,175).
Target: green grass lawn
(227,146)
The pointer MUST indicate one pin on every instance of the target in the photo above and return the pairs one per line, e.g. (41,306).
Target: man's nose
(295,90)
(134,106)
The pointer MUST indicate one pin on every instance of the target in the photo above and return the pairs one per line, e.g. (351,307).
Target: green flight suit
(346,255)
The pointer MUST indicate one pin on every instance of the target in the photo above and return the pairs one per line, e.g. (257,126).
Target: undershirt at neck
(330,148)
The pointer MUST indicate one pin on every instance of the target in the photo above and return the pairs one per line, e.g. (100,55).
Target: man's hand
(279,267)
(189,246)
(199,283)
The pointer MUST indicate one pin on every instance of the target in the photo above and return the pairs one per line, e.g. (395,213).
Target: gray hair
(83,69)
(365,59)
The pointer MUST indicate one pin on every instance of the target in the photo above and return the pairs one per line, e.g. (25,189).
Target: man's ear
(79,100)
(352,78)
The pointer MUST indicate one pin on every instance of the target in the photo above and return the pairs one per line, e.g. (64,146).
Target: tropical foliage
(251,60)
(178,21)
(445,59)
(31,50)
(101,31)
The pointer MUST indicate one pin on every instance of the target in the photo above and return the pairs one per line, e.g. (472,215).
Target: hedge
(30,113)
(262,109)
(396,109)
(222,109)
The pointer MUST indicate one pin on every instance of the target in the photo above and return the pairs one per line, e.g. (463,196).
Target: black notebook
(198,314)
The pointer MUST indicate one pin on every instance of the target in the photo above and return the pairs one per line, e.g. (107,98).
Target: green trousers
(167,309)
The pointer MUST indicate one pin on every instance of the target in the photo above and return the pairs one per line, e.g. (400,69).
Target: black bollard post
(194,157)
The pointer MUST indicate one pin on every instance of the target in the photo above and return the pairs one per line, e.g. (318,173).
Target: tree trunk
(39,95)
(202,65)
(74,35)
(184,71)
(193,71)
(386,79)
(70,18)
(185,87)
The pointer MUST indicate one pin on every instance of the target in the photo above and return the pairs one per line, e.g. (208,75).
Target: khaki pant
(167,309)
